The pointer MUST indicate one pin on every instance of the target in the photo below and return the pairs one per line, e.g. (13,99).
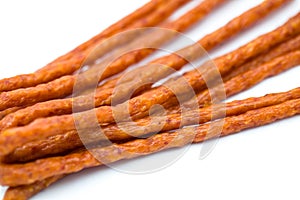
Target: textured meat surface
(139,106)
(71,140)
(22,174)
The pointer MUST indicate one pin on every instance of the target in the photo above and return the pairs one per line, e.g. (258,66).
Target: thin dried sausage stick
(22,116)
(54,145)
(250,78)
(286,47)
(70,140)
(44,92)
(7,112)
(26,191)
(70,62)
(139,106)
(53,108)
(22,174)
(102,97)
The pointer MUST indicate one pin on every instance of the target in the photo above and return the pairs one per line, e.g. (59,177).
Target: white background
(258,163)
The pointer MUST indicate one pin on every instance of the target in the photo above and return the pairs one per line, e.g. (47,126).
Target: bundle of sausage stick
(62,119)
